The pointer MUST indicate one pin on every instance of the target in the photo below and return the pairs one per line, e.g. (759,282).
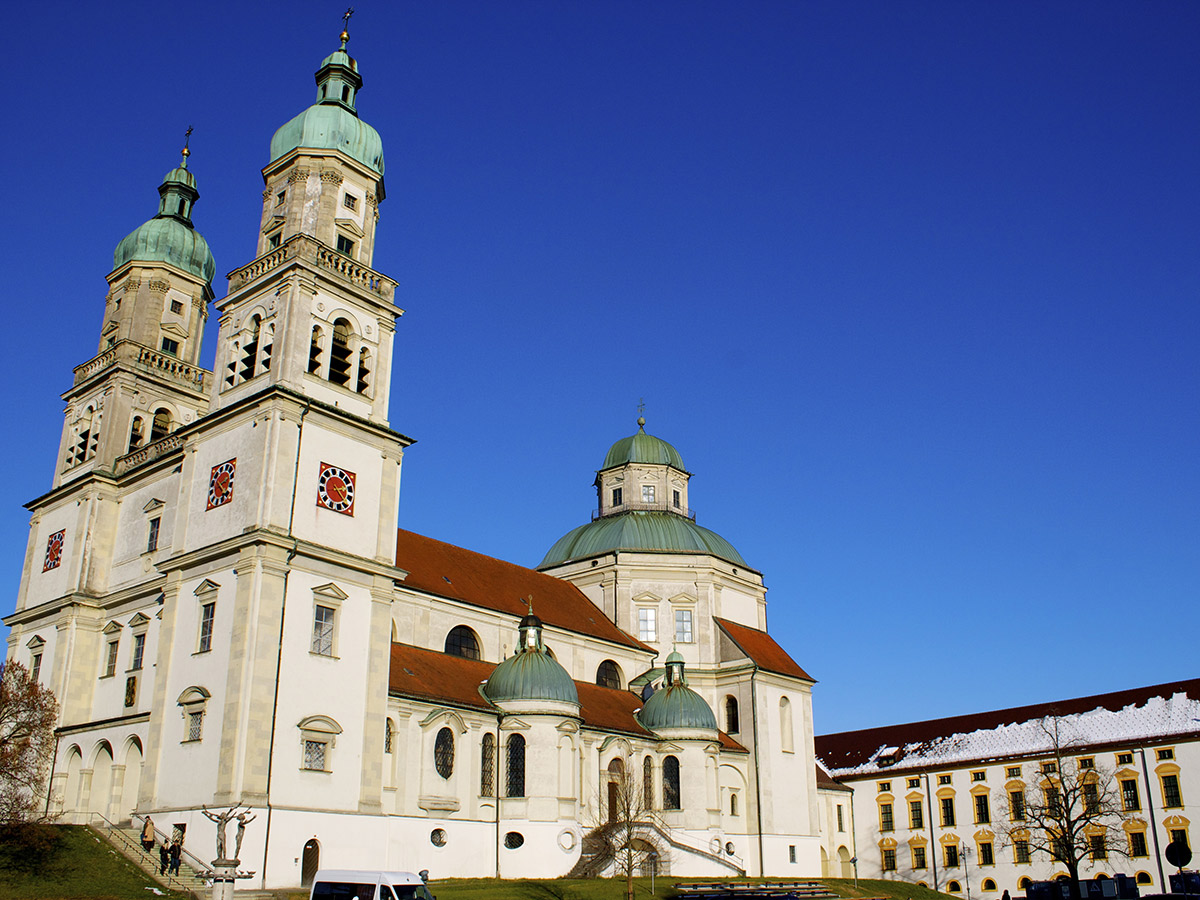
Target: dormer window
(274,240)
(617,497)
(345,245)
(647,493)
(350,201)
(675,499)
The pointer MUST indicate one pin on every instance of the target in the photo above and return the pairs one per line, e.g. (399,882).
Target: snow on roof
(1153,714)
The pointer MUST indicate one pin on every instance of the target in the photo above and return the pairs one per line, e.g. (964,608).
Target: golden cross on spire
(529,604)
(345,35)
(187,138)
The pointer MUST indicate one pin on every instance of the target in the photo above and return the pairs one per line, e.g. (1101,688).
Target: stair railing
(202,869)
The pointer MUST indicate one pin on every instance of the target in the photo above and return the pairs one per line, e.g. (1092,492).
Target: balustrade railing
(302,246)
(161,447)
(163,364)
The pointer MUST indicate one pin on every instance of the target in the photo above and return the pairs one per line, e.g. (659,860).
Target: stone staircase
(127,841)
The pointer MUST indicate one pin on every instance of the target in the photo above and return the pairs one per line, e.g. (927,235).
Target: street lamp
(967,868)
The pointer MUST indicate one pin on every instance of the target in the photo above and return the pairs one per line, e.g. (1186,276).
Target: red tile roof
(448,571)
(442,678)
(762,650)
(849,749)
(827,782)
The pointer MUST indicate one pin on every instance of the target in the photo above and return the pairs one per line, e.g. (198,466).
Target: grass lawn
(83,866)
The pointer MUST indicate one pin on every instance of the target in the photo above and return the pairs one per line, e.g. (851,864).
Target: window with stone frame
(487,768)
(670,778)
(515,767)
(443,752)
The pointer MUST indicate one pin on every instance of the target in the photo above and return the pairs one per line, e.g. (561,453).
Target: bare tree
(626,824)
(27,715)
(1073,810)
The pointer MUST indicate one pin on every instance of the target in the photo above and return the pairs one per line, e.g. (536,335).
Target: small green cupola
(531,674)
(676,706)
(170,236)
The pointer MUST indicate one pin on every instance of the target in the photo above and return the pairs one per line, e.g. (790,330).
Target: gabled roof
(456,573)
(1158,712)
(827,782)
(444,679)
(762,650)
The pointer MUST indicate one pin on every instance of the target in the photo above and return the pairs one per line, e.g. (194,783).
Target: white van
(362,884)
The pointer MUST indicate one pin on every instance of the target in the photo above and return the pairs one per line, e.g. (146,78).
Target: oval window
(437,837)
(513,840)
(443,753)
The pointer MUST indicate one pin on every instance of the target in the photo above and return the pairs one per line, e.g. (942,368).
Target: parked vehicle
(365,884)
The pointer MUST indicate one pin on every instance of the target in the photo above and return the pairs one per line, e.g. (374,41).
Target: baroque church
(217,591)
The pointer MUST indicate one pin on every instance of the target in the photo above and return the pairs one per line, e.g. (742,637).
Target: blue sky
(911,286)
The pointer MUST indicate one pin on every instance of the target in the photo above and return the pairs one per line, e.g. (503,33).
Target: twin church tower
(216,591)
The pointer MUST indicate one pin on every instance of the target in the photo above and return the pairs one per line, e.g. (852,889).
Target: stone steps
(128,842)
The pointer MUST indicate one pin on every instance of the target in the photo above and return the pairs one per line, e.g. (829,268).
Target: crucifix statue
(221,821)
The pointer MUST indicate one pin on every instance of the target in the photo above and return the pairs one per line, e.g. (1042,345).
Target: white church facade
(217,591)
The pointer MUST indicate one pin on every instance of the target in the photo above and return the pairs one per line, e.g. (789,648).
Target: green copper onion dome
(676,705)
(639,530)
(642,448)
(332,123)
(532,673)
(170,236)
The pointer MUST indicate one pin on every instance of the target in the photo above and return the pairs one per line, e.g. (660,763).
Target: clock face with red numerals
(220,484)
(54,551)
(335,489)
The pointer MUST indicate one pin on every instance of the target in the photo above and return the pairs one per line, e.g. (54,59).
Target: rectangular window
(948,812)
(1096,846)
(617,497)
(1052,800)
(139,650)
(683,626)
(889,860)
(314,755)
(841,819)
(322,639)
(647,493)
(914,783)
(350,201)
(951,853)
(1179,836)
(1171,795)
(1087,762)
(675,499)
(1021,851)
(1091,798)
(1013,772)
(208,612)
(152,536)
(979,776)
(983,815)
(986,856)
(884,787)
(110,667)
(919,857)
(916,814)
(1125,759)
(1166,754)
(170,347)
(280,197)
(1137,843)
(274,240)
(1016,806)
(647,624)
(791,853)
(176,307)
(886,822)
(195,725)
(1049,768)
(345,245)
(35,669)
(944,779)
(1129,795)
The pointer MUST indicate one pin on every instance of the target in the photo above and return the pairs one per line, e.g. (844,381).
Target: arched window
(733,804)
(461,641)
(487,769)
(516,766)
(161,425)
(314,351)
(785,725)
(137,431)
(731,715)
(647,784)
(364,370)
(340,357)
(250,349)
(86,434)
(268,341)
(989,884)
(954,887)
(671,783)
(389,735)
(608,675)
(443,753)
(1144,878)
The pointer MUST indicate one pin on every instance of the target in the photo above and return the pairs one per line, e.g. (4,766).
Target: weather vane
(345,36)
(187,138)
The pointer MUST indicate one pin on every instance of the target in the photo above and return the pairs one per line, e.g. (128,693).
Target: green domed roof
(330,127)
(532,673)
(332,123)
(676,705)
(170,237)
(651,531)
(642,448)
